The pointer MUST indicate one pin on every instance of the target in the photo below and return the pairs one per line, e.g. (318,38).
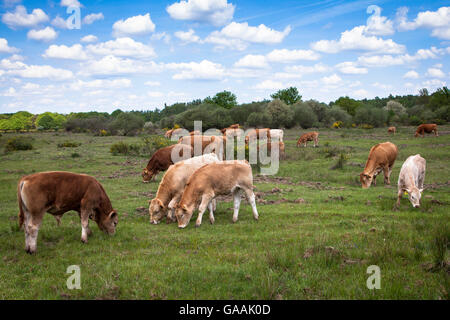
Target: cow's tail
(22,207)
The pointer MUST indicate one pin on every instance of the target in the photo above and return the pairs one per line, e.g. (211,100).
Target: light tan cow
(205,144)
(257,134)
(411,179)
(309,136)
(212,180)
(381,158)
(172,185)
(391,130)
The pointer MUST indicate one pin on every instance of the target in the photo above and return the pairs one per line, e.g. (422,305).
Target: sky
(73,56)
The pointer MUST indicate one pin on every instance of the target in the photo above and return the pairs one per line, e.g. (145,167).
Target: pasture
(317,233)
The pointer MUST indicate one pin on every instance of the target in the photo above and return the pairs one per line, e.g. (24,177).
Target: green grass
(316,249)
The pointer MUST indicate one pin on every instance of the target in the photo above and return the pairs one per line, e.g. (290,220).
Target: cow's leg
(374,179)
(436,133)
(58,220)
(32,224)
(387,172)
(206,199)
(399,197)
(251,199)
(237,203)
(211,207)
(85,231)
(171,206)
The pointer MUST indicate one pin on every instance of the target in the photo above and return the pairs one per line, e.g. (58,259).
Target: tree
(127,124)
(281,114)
(289,95)
(439,98)
(47,122)
(225,99)
(304,115)
(348,104)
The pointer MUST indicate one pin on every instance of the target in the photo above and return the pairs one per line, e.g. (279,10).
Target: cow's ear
(161,204)
(112,214)
(185,208)
(421,190)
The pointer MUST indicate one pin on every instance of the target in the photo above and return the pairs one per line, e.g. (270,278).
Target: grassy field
(318,229)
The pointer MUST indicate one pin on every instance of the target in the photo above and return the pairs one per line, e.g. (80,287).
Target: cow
(257,134)
(205,144)
(212,180)
(168,133)
(426,128)
(272,145)
(232,132)
(309,136)
(411,178)
(381,158)
(162,159)
(172,185)
(57,192)
(391,130)
(172,132)
(195,133)
(277,134)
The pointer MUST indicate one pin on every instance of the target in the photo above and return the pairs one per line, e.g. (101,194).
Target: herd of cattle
(193,181)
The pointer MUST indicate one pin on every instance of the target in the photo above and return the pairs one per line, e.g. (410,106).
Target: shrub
(75,155)
(280,113)
(127,124)
(18,143)
(366,126)
(103,133)
(124,149)
(258,119)
(337,124)
(443,113)
(336,114)
(304,115)
(151,144)
(340,163)
(414,121)
(371,115)
(69,144)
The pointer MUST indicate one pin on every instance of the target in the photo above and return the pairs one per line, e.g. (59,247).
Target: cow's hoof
(211,221)
(235,220)
(197,225)
(84,240)
(29,251)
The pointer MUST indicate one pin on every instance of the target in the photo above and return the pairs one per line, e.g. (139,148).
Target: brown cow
(257,134)
(391,130)
(233,126)
(381,158)
(57,192)
(209,144)
(195,133)
(161,160)
(310,136)
(428,128)
(172,132)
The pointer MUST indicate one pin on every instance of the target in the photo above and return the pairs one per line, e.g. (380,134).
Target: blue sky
(142,54)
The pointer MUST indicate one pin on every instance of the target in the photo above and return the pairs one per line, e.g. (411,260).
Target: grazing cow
(273,145)
(426,128)
(161,160)
(168,133)
(411,178)
(57,192)
(277,134)
(172,185)
(212,180)
(310,136)
(257,134)
(205,144)
(195,133)
(391,130)
(381,158)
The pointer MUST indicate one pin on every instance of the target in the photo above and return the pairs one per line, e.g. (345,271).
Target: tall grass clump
(18,143)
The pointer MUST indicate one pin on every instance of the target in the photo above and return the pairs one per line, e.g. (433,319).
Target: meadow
(317,233)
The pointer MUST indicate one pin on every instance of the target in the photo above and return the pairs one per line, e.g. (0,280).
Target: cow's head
(416,134)
(183,214)
(108,222)
(147,175)
(414,195)
(366,180)
(156,210)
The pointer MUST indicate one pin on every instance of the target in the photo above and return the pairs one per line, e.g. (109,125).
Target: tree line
(286,109)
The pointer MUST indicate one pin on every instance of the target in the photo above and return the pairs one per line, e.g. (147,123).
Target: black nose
(416,206)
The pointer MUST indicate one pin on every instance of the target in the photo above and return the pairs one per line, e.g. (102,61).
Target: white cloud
(101,83)
(222,42)
(136,25)
(111,65)
(269,85)
(46,34)
(20,18)
(331,80)
(152,83)
(411,75)
(356,39)
(5,48)
(252,61)
(42,72)
(162,35)
(74,52)
(438,21)
(382,86)
(350,68)
(59,22)
(122,47)
(91,18)
(188,36)
(317,68)
(155,94)
(70,3)
(435,73)
(205,70)
(378,25)
(361,93)
(287,56)
(215,12)
(89,38)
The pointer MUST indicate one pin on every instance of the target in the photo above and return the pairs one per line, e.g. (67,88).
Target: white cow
(411,178)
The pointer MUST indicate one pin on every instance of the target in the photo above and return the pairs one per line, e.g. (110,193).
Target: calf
(310,136)
(172,185)
(212,180)
(428,128)
(391,130)
(381,158)
(411,178)
(57,192)
(163,158)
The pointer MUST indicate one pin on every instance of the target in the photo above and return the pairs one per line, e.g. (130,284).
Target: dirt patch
(436,185)
(122,174)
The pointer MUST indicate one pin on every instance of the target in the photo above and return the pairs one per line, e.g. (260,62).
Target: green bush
(281,114)
(304,115)
(69,144)
(75,155)
(124,148)
(127,124)
(18,143)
